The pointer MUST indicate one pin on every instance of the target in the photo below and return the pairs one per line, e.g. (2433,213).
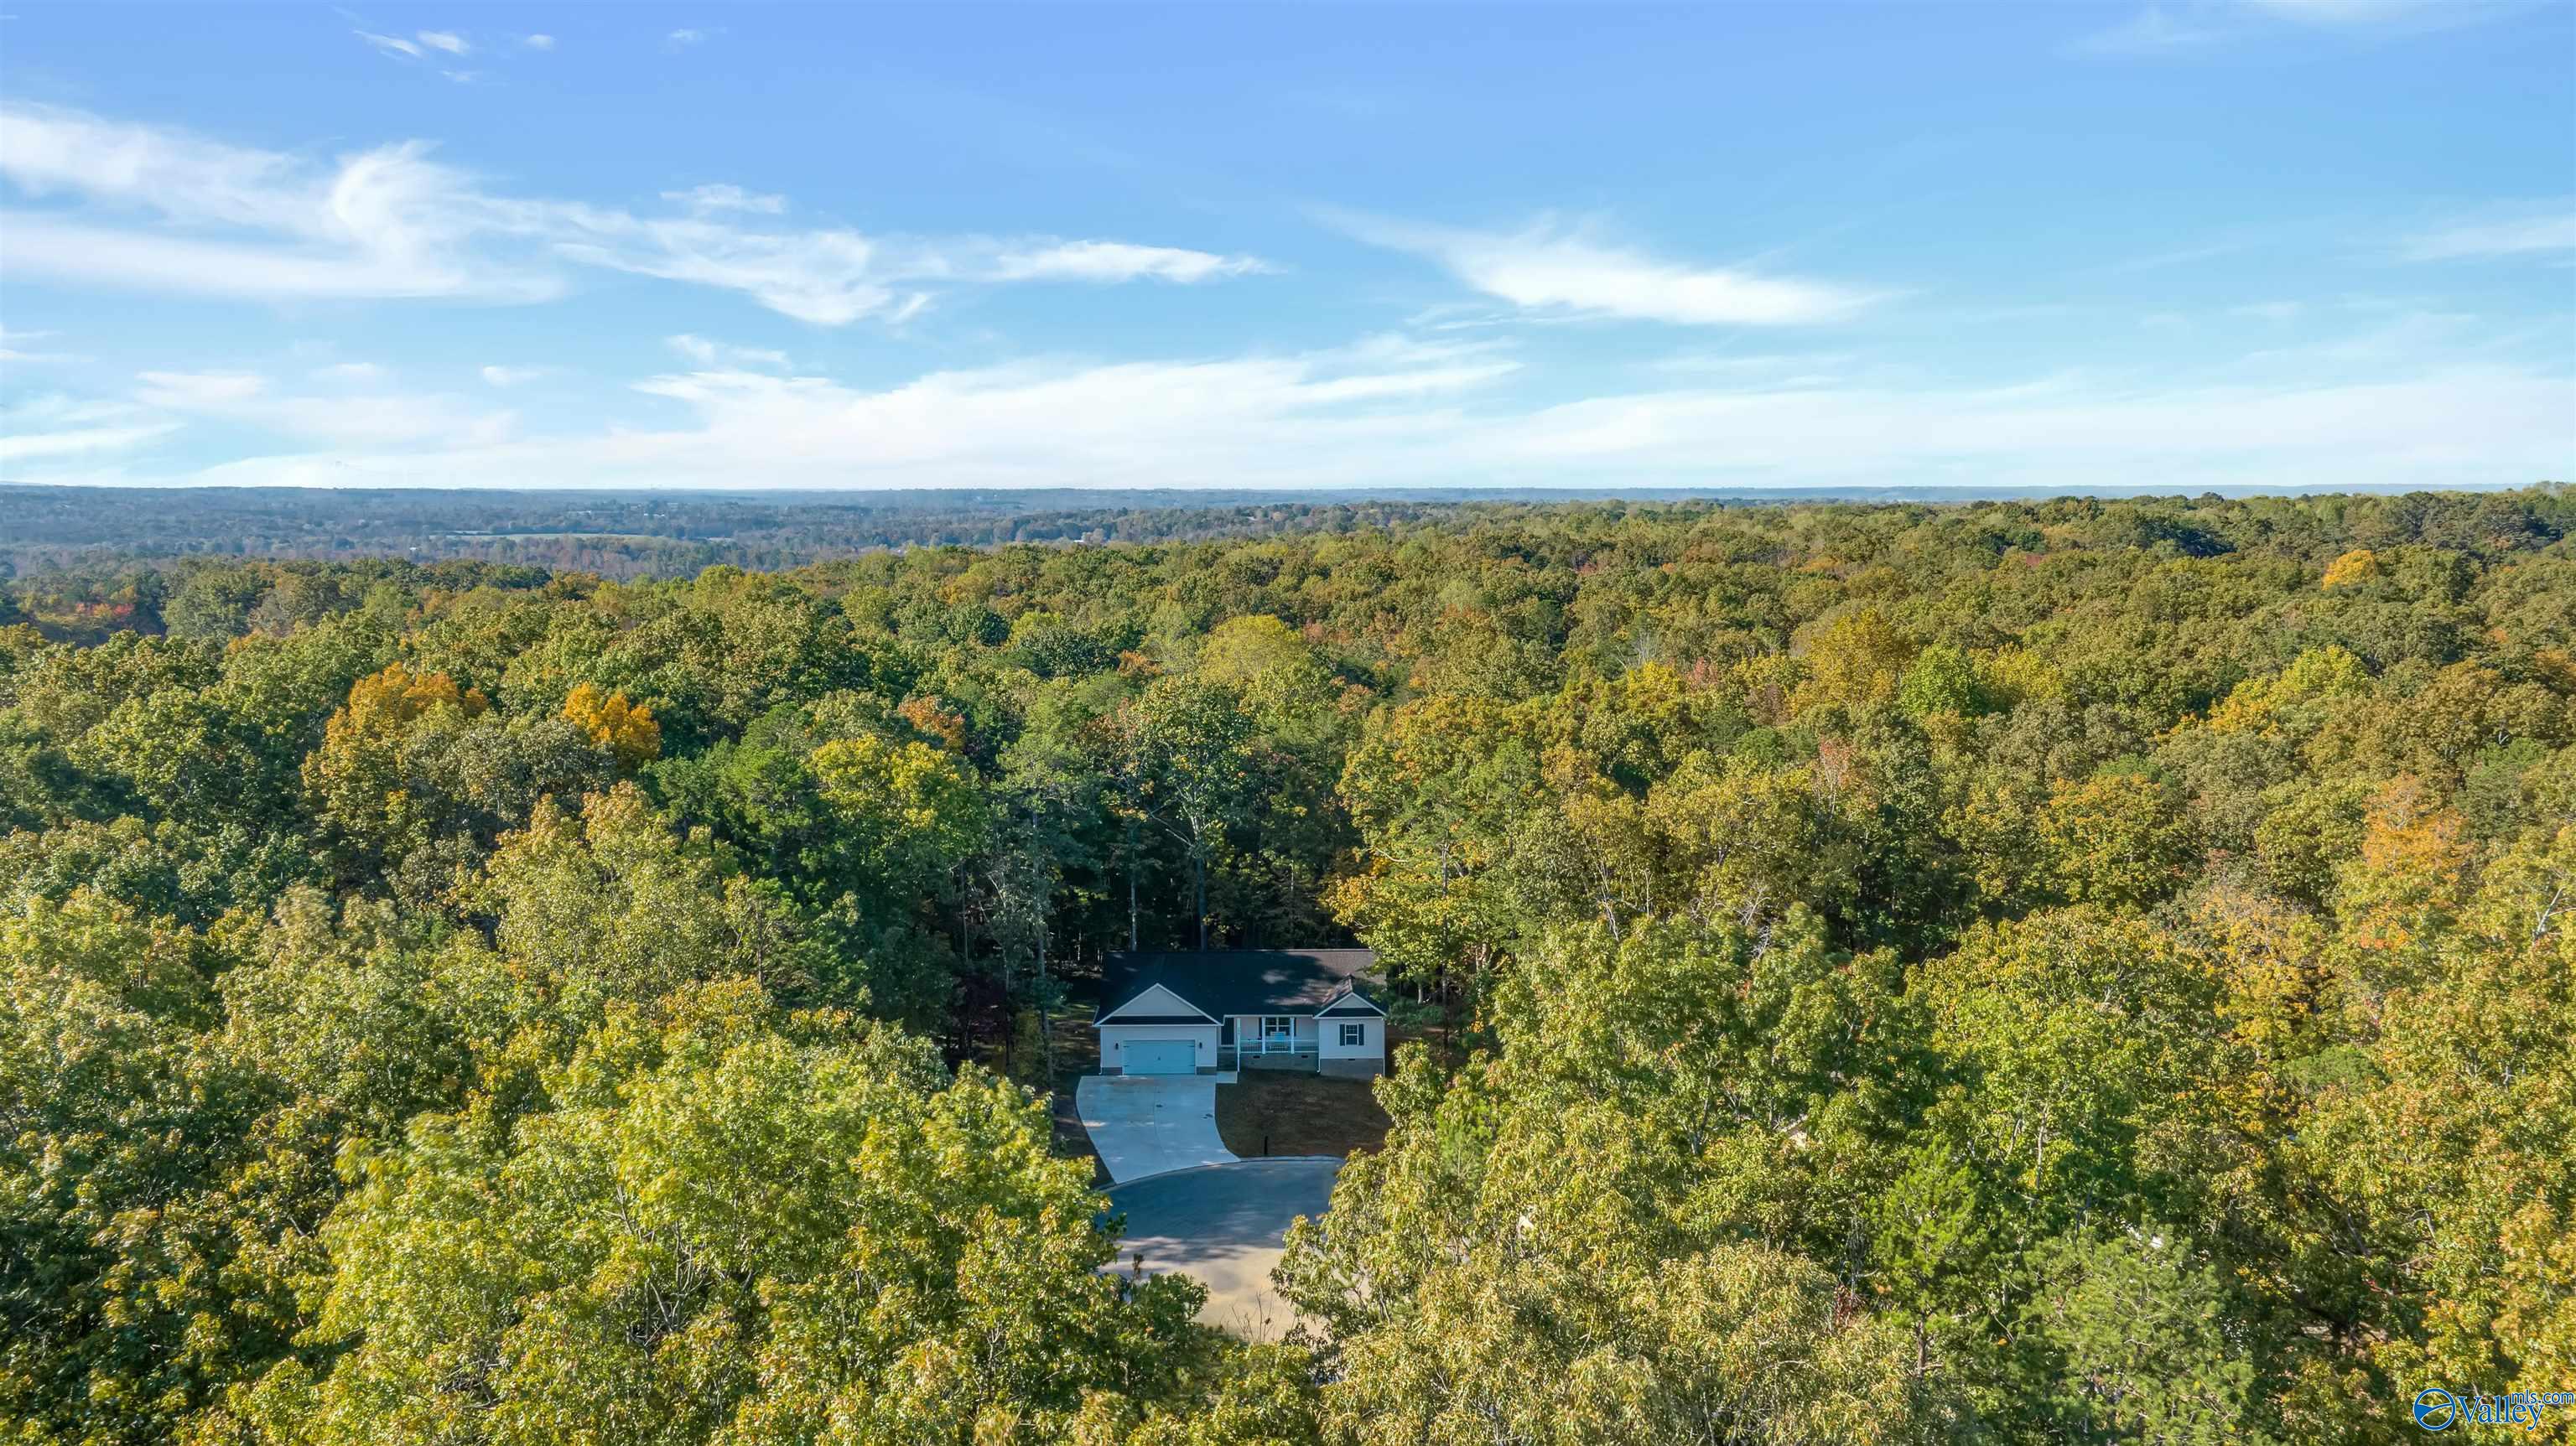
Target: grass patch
(1298,1114)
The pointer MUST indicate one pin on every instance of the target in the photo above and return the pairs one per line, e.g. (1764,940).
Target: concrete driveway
(1224,1226)
(1149,1124)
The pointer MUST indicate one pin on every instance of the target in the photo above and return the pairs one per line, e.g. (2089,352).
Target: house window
(1354,1035)
(1278,1027)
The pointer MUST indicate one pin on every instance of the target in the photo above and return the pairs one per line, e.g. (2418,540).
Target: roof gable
(1154,1000)
(1353,1001)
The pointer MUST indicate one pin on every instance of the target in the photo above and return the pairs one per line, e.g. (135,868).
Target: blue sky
(2280,243)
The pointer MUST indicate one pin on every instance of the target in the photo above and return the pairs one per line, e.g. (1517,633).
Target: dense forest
(2027,971)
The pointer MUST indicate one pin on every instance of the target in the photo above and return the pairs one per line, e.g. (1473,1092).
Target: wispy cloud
(2179,27)
(1560,267)
(2376,12)
(509,376)
(830,278)
(14,346)
(379,223)
(2552,231)
(721,197)
(1270,420)
(1117,261)
(54,427)
(446,42)
(1397,410)
(195,390)
(353,412)
(538,42)
(683,39)
(393,222)
(393,45)
(2152,31)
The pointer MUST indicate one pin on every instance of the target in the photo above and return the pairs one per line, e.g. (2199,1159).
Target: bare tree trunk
(1132,945)
(1198,879)
(1046,1021)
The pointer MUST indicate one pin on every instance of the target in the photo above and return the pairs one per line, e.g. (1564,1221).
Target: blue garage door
(1162,1056)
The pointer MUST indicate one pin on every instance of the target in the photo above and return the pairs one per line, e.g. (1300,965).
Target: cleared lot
(1276,1113)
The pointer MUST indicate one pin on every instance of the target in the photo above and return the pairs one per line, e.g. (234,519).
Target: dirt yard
(1298,1114)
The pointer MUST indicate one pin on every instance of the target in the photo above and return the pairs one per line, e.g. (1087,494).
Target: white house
(1302,1009)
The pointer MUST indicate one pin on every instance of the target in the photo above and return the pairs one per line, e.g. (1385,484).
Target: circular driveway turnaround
(1223,1226)
(1144,1125)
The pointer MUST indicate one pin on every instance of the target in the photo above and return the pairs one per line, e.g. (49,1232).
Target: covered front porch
(1268,1041)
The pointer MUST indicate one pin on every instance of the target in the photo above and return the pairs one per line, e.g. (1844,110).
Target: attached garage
(1162,1056)
(1158,1046)
(1157,1032)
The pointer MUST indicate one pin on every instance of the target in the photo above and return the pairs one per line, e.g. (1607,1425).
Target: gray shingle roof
(1240,981)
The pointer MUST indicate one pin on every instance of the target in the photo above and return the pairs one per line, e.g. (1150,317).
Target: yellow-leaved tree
(2351,570)
(624,729)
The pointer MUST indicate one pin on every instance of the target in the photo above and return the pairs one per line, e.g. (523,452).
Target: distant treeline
(627,535)
(641,535)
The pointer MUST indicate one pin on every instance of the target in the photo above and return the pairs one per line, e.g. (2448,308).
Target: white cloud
(1117,261)
(508,376)
(392,222)
(352,410)
(14,344)
(353,413)
(50,427)
(446,40)
(101,256)
(2354,12)
(726,198)
(1249,421)
(50,151)
(680,39)
(1398,411)
(393,45)
(2464,426)
(538,42)
(830,278)
(2511,236)
(384,222)
(1550,266)
(721,354)
(199,391)
(2152,31)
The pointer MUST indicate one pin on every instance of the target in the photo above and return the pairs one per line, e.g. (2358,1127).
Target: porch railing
(1231,1056)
